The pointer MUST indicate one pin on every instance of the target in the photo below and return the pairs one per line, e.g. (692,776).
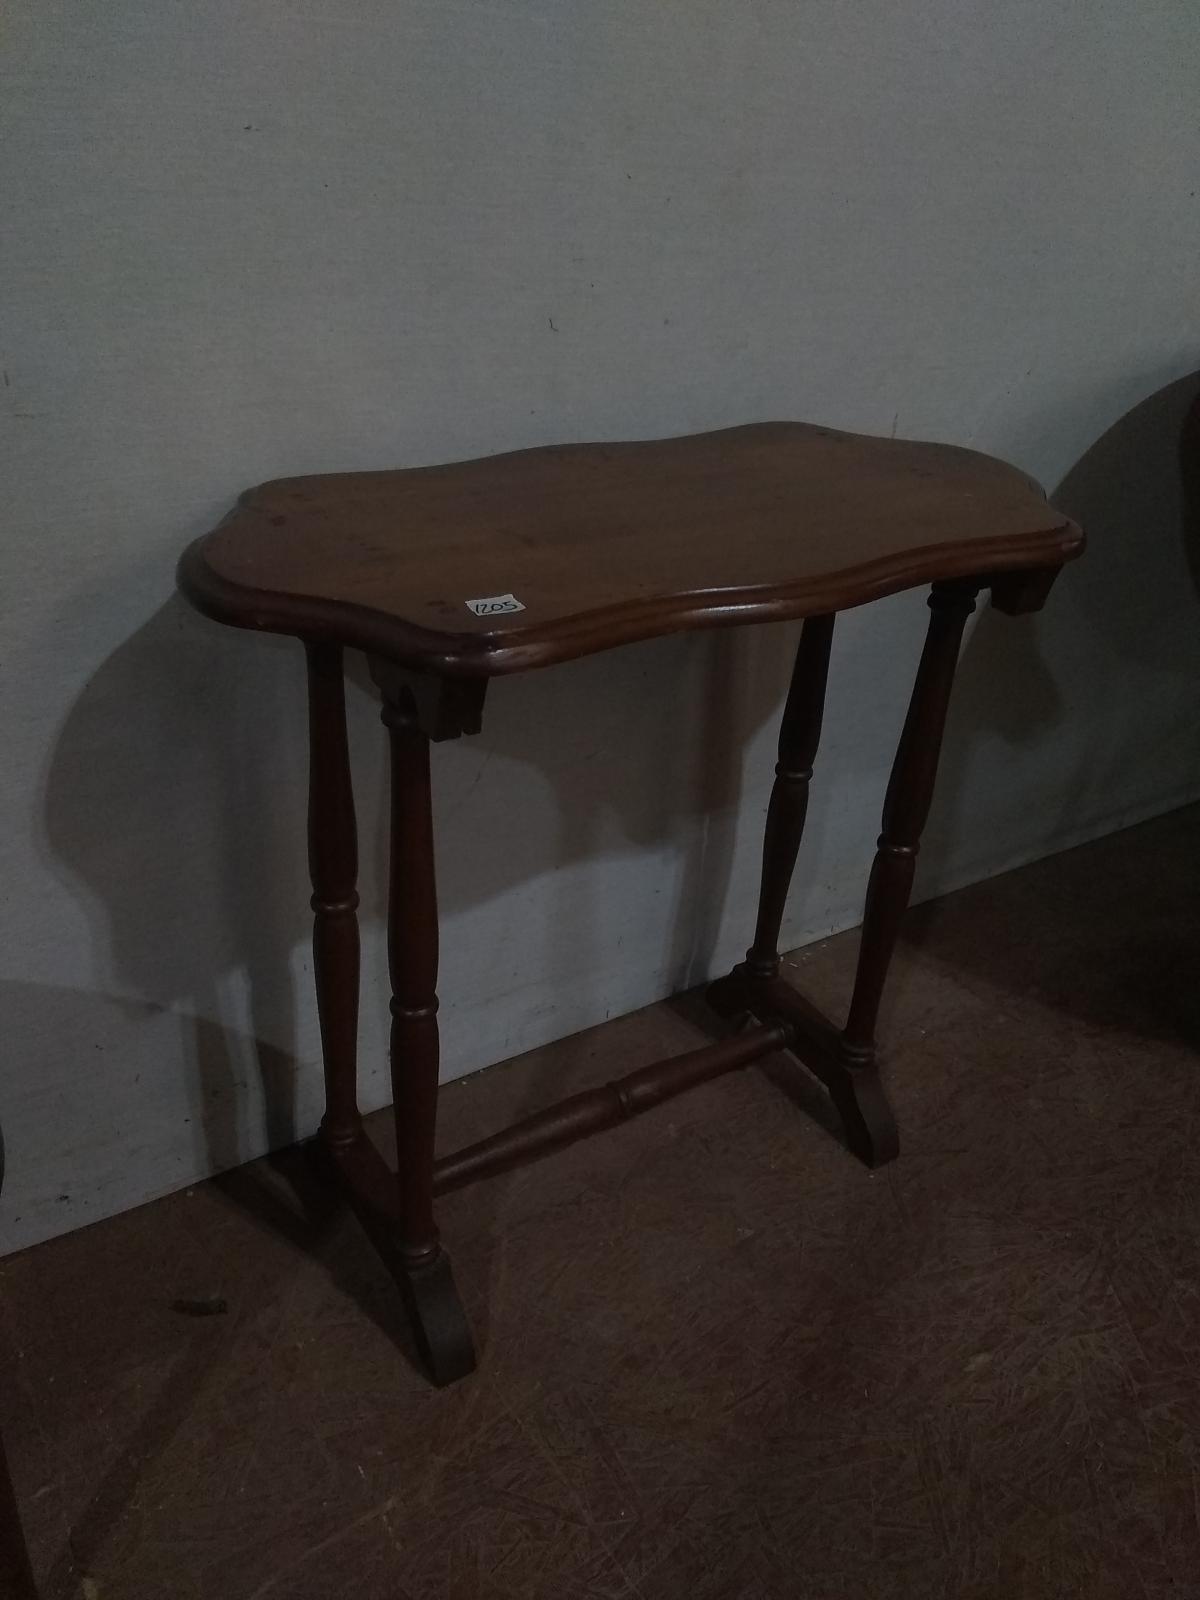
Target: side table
(449,576)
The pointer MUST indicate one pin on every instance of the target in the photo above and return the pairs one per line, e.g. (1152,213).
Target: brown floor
(720,1358)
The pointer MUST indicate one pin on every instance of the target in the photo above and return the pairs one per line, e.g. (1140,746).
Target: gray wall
(251,239)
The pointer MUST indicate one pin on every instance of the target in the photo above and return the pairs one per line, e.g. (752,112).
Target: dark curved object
(1189,472)
(16,1572)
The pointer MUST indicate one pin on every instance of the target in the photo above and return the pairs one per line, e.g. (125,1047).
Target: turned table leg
(333,867)
(870,1126)
(437,1317)
(799,735)
(844,1060)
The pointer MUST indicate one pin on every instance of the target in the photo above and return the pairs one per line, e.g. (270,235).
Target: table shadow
(203,912)
(1132,603)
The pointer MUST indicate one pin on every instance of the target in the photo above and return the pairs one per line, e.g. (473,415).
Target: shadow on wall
(1124,627)
(604,761)
(175,802)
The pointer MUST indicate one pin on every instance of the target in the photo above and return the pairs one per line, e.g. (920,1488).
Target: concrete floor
(720,1359)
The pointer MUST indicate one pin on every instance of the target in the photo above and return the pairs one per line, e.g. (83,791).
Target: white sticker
(493,605)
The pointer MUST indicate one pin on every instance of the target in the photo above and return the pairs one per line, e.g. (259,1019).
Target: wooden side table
(449,576)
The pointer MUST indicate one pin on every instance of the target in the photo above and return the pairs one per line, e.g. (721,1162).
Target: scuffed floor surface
(720,1359)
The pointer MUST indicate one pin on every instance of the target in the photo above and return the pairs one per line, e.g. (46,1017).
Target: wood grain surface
(605,543)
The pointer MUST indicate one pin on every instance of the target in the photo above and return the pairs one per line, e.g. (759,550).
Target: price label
(494,605)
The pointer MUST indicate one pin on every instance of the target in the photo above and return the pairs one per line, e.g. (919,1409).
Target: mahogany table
(449,576)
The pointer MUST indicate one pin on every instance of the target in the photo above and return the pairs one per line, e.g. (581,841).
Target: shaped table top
(599,544)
